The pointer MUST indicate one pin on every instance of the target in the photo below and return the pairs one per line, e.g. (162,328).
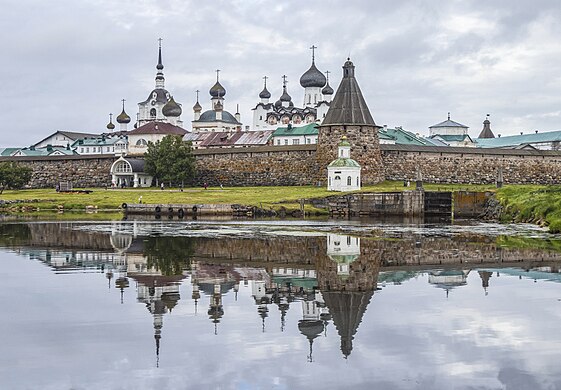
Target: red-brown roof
(158,128)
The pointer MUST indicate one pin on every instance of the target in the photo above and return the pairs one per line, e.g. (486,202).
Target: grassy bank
(264,197)
(534,204)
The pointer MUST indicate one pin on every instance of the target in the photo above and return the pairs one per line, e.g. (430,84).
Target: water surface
(277,304)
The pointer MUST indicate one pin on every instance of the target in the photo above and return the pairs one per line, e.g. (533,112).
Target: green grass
(112,199)
(532,203)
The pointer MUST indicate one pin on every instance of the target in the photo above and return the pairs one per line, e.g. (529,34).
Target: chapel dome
(110,126)
(313,77)
(327,90)
(217,90)
(265,94)
(171,108)
(123,117)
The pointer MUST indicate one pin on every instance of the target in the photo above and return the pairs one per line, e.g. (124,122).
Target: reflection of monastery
(328,281)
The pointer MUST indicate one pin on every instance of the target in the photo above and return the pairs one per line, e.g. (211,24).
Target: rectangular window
(308,140)
(286,142)
(278,142)
(81,150)
(295,142)
(87,150)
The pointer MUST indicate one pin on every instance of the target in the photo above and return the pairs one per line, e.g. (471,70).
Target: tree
(14,175)
(170,160)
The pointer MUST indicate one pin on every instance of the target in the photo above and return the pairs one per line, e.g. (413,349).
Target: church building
(317,98)
(217,119)
(160,105)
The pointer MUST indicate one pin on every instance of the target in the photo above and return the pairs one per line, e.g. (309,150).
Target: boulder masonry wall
(298,165)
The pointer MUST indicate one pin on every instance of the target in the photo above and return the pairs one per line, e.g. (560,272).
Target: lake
(300,304)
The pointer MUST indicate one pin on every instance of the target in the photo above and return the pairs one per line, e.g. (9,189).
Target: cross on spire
(327,73)
(313,47)
(110,117)
(284,80)
(160,42)
(123,100)
(217,72)
(197,92)
(265,78)
(448,115)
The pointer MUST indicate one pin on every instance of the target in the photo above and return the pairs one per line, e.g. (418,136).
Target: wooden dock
(181,210)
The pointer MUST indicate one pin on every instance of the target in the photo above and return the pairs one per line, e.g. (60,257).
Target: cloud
(69,64)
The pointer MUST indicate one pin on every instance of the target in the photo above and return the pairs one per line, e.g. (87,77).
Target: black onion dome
(197,106)
(110,126)
(123,117)
(327,90)
(285,97)
(171,108)
(313,77)
(265,94)
(217,90)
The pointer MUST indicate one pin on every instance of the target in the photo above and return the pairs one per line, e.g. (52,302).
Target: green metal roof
(515,140)
(401,137)
(309,129)
(95,141)
(8,151)
(344,162)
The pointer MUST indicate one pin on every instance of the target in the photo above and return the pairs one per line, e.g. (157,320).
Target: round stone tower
(349,116)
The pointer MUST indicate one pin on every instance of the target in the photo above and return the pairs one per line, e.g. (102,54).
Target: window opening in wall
(349,181)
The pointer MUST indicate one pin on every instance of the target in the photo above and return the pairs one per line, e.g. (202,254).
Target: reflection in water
(312,282)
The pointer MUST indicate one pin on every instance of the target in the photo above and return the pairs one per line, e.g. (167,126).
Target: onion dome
(313,77)
(171,108)
(123,117)
(197,107)
(327,90)
(265,94)
(217,90)
(110,125)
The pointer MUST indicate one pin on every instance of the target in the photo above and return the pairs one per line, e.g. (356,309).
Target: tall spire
(486,132)
(348,105)
(160,67)
(313,48)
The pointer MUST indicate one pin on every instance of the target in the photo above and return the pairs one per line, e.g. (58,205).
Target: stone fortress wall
(298,165)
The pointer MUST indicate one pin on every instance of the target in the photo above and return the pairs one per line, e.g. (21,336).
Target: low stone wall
(267,166)
(471,165)
(298,165)
(82,171)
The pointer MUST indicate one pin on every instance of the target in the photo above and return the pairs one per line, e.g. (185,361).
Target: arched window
(141,142)
(153,113)
(122,167)
(337,177)
(349,181)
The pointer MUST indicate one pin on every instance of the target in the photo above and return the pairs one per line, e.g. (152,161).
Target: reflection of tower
(216,311)
(485,276)
(160,294)
(311,326)
(262,299)
(196,294)
(121,283)
(448,279)
(347,280)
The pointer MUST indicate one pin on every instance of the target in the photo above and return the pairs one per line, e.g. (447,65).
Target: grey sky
(67,64)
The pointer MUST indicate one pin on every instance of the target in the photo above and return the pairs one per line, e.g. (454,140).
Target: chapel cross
(217,72)
(284,80)
(314,47)
(160,42)
(265,78)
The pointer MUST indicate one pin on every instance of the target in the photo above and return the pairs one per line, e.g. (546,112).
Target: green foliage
(535,204)
(169,255)
(170,160)
(14,175)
